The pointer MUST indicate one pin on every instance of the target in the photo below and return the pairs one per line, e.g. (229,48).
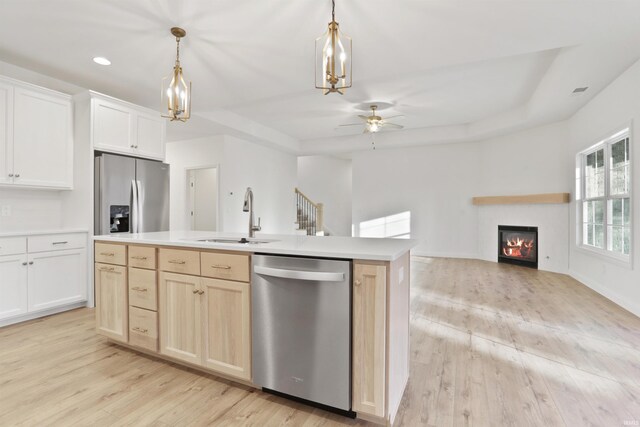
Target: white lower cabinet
(57,278)
(36,278)
(13,285)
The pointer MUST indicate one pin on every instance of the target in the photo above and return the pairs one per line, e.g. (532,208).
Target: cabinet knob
(24,263)
(201,292)
(10,175)
(30,262)
(356,282)
(17,175)
(195,291)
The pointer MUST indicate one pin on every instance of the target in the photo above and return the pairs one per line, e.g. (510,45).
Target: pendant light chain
(333,10)
(177,50)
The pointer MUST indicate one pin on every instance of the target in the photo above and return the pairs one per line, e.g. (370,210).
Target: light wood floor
(491,345)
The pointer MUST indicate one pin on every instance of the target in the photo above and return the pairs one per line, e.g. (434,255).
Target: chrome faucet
(248,207)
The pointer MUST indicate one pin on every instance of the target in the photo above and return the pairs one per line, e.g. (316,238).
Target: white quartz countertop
(41,232)
(312,246)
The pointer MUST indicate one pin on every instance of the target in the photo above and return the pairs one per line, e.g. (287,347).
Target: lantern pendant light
(333,58)
(176,94)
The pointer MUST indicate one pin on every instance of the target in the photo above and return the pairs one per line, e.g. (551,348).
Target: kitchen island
(186,297)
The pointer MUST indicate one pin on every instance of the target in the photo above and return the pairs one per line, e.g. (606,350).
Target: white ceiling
(458,70)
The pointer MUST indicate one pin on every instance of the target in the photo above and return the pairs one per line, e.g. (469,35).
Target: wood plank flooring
(491,345)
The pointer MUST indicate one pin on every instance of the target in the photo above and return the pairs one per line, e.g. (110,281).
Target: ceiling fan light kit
(333,58)
(176,93)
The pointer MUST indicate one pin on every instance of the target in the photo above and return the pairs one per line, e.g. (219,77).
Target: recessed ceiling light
(101,60)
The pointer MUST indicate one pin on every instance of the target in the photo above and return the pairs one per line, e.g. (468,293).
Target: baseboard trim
(607,293)
(444,255)
(41,313)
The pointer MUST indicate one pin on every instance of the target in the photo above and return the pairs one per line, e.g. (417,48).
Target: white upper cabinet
(6,133)
(36,137)
(42,140)
(120,127)
(112,126)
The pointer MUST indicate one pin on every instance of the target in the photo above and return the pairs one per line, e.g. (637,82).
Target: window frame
(581,196)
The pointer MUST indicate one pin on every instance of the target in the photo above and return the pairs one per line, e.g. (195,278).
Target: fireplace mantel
(548,198)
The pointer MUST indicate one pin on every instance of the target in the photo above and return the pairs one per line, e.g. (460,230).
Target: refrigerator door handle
(134,206)
(139,208)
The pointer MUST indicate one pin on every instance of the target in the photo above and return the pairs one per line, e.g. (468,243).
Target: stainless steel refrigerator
(131,195)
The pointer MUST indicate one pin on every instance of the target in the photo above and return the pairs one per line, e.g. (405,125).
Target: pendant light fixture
(333,58)
(176,94)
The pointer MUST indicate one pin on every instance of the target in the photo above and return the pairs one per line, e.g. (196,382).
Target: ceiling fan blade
(352,124)
(363,117)
(393,117)
(393,125)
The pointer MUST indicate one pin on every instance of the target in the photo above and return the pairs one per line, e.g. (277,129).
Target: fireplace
(518,245)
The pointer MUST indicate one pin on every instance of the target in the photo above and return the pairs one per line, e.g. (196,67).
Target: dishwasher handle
(319,276)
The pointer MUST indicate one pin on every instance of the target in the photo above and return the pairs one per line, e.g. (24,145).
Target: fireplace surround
(518,245)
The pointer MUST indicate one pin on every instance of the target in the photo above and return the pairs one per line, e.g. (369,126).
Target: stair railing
(310,215)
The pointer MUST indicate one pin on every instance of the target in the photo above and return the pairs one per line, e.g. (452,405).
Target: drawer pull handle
(107,254)
(136,288)
(177,261)
(60,243)
(143,258)
(222,267)
(195,291)
(201,292)
(107,269)
(144,331)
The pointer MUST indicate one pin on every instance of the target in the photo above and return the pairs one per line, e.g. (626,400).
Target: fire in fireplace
(518,245)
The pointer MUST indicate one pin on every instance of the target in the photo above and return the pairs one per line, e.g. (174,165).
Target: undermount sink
(242,241)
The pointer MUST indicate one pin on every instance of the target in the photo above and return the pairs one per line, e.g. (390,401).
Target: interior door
(153,193)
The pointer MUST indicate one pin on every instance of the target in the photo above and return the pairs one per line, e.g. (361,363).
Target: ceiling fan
(374,123)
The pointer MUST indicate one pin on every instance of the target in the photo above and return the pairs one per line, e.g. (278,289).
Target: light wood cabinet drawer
(143,328)
(225,266)
(111,254)
(179,261)
(142,257)
(13,245)
(143,289)
(57,242)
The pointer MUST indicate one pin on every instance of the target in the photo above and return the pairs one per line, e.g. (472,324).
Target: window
(603,178)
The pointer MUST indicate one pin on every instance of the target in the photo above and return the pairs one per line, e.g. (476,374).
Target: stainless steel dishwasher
(301,328)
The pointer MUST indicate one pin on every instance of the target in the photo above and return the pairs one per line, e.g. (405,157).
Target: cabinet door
(111,301)
(112,127)
(227,334)
(179,310)
(150,136)
(369,336)
(42,140)
(6,133)
(57,278)
(13,285)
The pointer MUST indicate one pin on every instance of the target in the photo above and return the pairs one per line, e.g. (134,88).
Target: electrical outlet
(5,210)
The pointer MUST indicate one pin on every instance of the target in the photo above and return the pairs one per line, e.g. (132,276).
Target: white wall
(182,156)
(436,184)
(327,180)
(616,106)
(272,176)
(269,172)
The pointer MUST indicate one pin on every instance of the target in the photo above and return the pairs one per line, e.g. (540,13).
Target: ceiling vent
(580,89)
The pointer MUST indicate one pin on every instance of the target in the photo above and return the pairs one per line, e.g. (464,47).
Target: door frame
(190,191)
